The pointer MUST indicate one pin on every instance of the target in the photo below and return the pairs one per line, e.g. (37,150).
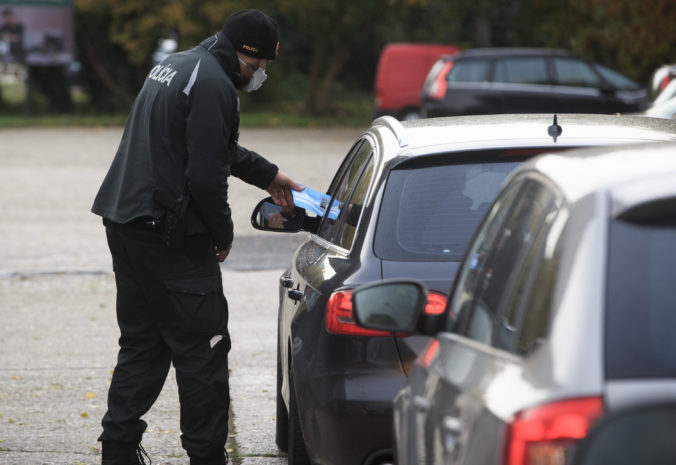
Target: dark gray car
(410,196)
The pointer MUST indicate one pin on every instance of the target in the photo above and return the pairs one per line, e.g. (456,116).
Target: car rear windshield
(430,209)
(641,300)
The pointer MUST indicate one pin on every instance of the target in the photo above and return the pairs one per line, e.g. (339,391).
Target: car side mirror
(389,305)
(268,216)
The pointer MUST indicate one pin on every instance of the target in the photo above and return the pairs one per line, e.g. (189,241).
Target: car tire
(297,455)
(282,418)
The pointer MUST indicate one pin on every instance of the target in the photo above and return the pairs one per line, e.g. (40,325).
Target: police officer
(164,203)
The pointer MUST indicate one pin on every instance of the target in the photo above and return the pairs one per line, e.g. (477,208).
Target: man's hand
(221,255)
(280,190)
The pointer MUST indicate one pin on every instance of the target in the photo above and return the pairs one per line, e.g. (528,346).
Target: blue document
(315,202)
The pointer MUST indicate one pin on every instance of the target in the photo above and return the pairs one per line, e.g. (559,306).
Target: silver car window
(513,254)
(640,318)
(474,266)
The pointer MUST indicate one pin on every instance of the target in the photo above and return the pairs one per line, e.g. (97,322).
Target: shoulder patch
(162,74)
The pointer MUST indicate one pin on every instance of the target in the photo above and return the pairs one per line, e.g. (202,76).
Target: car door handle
(452,425)
(451,428)
(295,295)
(286,282)
(421,404)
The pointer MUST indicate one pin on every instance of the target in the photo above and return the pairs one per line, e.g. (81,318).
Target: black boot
(217,459)
(123,453)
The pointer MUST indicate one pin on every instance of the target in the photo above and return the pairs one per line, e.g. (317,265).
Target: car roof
(438,135)
(631,175)
(511,51)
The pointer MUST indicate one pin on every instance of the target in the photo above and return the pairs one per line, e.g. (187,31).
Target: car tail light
(340,320)
(440,84)
(665,82)
(548,434)
(436,303)
(428,354)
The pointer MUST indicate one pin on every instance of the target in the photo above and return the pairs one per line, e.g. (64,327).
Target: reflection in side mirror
(268,216)
(390,305)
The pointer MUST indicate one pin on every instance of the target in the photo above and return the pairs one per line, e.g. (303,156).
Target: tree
(635,37)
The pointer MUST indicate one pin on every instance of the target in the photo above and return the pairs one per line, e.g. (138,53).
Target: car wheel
(282,419)
(297,455)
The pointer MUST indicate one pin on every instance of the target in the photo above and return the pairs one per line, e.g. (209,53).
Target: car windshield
(641,301)
(430,210)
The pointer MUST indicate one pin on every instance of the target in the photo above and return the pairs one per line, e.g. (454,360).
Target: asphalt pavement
(58,337)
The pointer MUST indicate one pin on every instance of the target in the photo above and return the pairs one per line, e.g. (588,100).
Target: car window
(431,210)
(342,187)
(525,313)
(640,318)
(618,80)
(535,319)
(353,210)
(575,73)
(345,164)
(521,70)
(474,265)
(511,255)
(471,70)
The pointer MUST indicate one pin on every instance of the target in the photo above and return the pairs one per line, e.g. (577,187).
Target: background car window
(344,185)
(521,70)
(511,259)
(575,73)
(352,212)
(619,81)
(640,318)
(430,211)
(475,70)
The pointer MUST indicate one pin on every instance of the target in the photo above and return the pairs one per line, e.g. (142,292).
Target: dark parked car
(522,80)
(410,196)
(562,310)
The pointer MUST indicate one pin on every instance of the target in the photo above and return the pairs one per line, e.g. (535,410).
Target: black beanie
(253,33)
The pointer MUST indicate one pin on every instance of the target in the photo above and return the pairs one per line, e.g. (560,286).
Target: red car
(402,69)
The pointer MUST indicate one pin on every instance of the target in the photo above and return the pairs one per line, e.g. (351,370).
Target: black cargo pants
(170,309)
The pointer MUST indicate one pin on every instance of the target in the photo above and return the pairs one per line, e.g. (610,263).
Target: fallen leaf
(91,395)
(84,415)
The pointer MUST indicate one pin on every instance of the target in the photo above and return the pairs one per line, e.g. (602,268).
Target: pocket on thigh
(199,304)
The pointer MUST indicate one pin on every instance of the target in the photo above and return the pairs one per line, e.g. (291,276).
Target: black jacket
(183,129)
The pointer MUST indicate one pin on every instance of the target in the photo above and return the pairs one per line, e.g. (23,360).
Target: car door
(522,85)
(320,265)
(486,336)
(581,88)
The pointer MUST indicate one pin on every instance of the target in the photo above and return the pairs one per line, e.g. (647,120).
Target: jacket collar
(221,48)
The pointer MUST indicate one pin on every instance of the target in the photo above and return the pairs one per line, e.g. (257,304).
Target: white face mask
(257,79)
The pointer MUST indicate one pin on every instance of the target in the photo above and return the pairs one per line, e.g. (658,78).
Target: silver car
(562,309)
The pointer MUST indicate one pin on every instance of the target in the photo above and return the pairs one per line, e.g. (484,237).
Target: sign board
(36,32)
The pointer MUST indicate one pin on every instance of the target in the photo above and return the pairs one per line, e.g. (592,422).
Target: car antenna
(554,130)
